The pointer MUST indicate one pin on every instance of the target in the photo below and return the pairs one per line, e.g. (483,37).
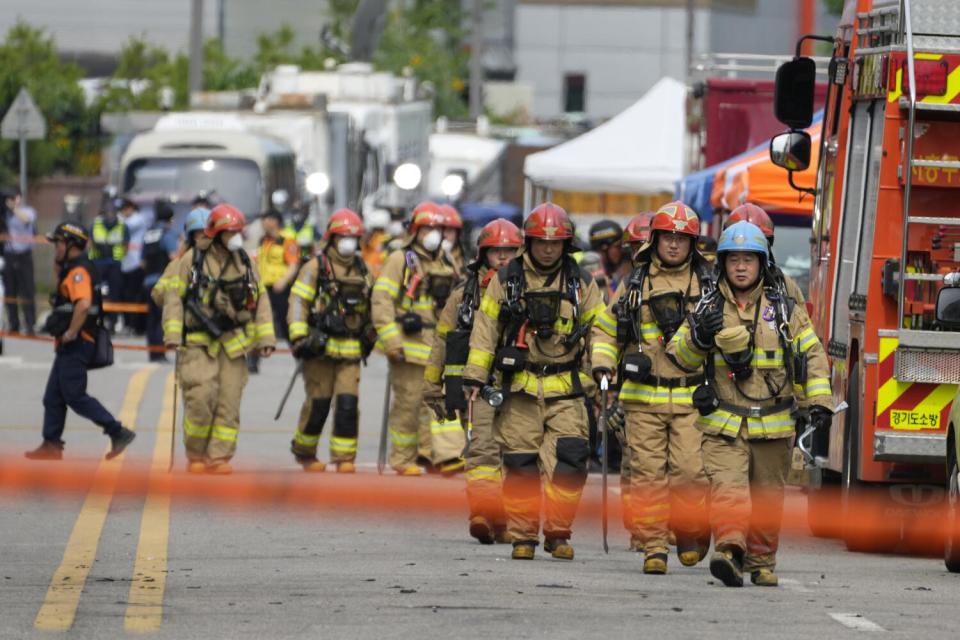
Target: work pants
(212,388)
(548,440)
(746,494)
(19,289)
(112,277)
(325,382)
(668,486)
(407,413)
(154,328)
(133,294)
(483,469)
(67,387)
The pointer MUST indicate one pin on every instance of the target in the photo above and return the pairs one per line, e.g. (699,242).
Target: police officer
(159,248)
(408,296)
(756,215)
(533,329)
(667,481)
(223,314)
(761,357)
(329,319)
(74,324)
(606,238)
(497,244)
(107,250)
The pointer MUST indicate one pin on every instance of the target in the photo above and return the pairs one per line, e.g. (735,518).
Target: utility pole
(689,43)
(476,59)
(196,47)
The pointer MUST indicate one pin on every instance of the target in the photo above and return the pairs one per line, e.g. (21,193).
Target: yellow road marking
(63,596)
(145,603)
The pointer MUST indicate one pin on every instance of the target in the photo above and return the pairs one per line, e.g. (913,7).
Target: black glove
(705,324)
(821,418)
(600,372)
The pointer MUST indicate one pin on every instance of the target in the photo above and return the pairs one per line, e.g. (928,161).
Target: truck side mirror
(791,150)
(948,308)
(794,92)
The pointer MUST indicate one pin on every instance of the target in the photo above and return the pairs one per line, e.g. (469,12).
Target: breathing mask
(447,245)
(439,287)
(543,307)
(235,243)
(667,307)
(431,241)
(347,246)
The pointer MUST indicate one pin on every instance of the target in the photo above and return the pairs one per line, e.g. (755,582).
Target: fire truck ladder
(934,26)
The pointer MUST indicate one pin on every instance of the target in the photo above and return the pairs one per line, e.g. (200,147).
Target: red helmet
(754,214)
(638,229)
(676,217)
(451,216)
(548,222)
(426,214)
(344,222)
(500,233)
(224,217)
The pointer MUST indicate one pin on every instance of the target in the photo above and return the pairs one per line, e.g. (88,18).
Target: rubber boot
(727,567)
(220,468)
(346,467)
(764,578)
(410,470)
(48,450)
(655,564)
(452,467)
(482,530)
(559,548)
(523,550)
(690,550)
(312,465)
(196,466)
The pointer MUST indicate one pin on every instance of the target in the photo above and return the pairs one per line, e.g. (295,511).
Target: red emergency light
(931,77)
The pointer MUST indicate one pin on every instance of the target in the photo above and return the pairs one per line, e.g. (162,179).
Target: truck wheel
(866,523)
(951,546)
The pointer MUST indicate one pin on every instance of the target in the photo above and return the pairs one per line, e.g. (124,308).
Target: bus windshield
(791,247)
(235,181)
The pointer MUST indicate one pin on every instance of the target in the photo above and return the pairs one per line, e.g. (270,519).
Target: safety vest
(305,237)
(108,241)
(270,260)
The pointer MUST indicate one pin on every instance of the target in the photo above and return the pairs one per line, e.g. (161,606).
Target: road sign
(23,119)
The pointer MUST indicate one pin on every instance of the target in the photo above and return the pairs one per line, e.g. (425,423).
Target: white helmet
(377,219)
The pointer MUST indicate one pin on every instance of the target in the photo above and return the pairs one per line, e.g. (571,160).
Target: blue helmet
(197,220)
(743,236)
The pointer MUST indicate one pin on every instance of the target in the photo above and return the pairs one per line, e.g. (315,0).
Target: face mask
(395,228)
(235,243)
(347,246)
(432,240)
(447,245)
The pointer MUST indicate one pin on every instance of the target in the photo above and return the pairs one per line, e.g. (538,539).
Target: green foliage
(28,58)
(427,36)
(834,6)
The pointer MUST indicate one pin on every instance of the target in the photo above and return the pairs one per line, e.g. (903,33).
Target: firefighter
(108,246)
(452,231)
(302,232)
(74,323)
(606,238)
(497,244)
(667,482)
(408,296)
(222,314)
(752,213)
(533,328)
(329,316)
(278,260)
(637,233)
(169,282)
(159,249)
(761,357)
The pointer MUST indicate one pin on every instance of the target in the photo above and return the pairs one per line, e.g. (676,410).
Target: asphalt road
(267,561)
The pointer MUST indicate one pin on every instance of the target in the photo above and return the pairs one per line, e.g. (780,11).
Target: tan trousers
(483,469)
(668,486)
(407,411)
(447,439)
(212,387)
(548,440)
(326,380)
(746,494)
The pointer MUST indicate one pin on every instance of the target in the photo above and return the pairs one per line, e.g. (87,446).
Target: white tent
(637,151)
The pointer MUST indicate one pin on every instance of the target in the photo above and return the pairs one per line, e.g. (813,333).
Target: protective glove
(705,324)
(433,398)
(617,422)
(821,418)
(601,372)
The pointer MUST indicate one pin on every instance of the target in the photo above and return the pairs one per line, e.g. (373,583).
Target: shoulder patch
(78,277)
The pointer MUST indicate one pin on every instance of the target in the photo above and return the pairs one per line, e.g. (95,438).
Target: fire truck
(885,239)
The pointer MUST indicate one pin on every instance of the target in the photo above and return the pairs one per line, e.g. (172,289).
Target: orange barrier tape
(117,346)
(873,519)
(109,307)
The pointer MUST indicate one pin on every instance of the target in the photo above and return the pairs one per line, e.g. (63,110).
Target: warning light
(931,77)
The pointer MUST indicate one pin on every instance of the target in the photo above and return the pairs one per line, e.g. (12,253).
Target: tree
(834,6)
(28,58)
(427,36)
